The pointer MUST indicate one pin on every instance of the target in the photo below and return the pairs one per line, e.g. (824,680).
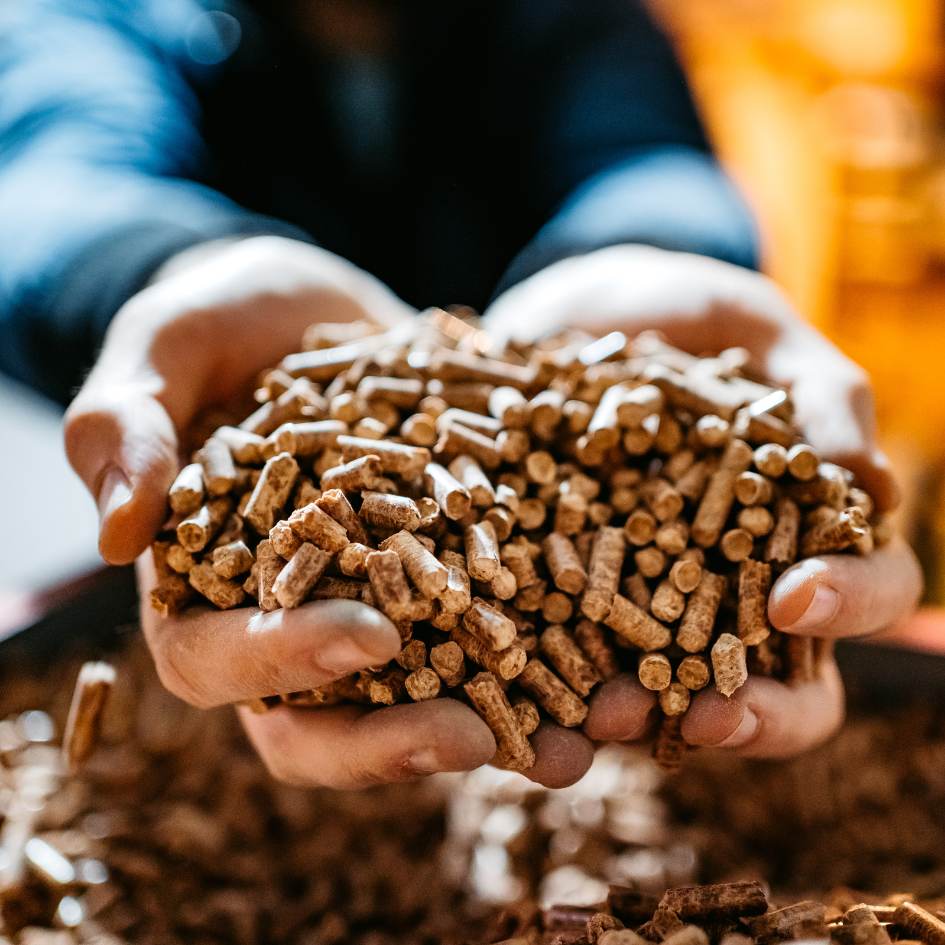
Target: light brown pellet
(781,547)
(284,539)
(728,663)
(559,648)
(640,527)
(427,575)
(557,607)
(527,714)
(179,559)
(753,489)
(352,559)
(603,577)
(245,447)
(720,494)
(663,499)
(456,598)
(654,671)
(636,626)
(650,562)
(757,520)
(389,583)
(219,591)
(698,620)
(361,473)
(232,559)
(219,471)
(771,460)
(595,646)
(674,700)
(685,575)
(552,694)
(489,625)
(754,583)
(89,699)
(271,492)
(509,406)
(468,472)
(532,514)
(489,700)
(482,551)
(736,544)
(451,495)
(314,524)
(381,510)
(692,483)
(448,661)
(672,537)
(194,533)
(693,672)
(399,458)
(564,564)
(832,536)
(637,590)
(422,684)
(186,494)
(268,565)
(540,467)
(336,504)
(300,575)
(506,664)
(668,602)
(303,439)
(802,462)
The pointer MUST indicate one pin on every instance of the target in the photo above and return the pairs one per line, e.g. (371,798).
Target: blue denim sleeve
(616,147)
(673,197)
(100,162)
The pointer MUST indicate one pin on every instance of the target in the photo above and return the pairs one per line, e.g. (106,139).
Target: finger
(621,710)
(766,718)
(351,747)
(210,657)
(562,756)
(847,595)
(123,446)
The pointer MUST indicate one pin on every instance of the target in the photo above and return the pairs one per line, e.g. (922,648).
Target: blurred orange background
(831,115)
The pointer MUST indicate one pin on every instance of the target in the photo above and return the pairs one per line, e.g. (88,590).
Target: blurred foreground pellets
(557,512)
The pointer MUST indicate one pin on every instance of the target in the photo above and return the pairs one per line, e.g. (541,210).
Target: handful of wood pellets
(534,520)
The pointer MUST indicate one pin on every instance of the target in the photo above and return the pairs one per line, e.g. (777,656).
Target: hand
(703,305)
(199,336)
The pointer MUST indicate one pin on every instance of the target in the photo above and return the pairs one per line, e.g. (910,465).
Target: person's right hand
(196,337)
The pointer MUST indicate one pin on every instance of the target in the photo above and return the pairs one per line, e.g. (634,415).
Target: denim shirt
(488,139)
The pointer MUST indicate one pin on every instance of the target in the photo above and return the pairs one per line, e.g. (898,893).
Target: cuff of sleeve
(109,271)
(675,198)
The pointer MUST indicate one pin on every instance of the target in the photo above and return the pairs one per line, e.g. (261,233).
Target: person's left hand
(702,305)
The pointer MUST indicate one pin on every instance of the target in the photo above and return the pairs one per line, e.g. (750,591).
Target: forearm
(672,197)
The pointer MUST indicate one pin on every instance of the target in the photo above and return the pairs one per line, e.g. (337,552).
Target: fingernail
(823,606)
(744,732)
(424,761)
(344,655)
(114,492)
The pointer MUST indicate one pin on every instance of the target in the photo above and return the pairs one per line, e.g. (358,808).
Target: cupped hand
(702,305)
(197,337)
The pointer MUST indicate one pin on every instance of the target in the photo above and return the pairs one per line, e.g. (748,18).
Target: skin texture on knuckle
(168,671)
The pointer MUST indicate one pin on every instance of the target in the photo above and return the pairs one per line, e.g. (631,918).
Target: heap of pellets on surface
(533,520)
(174,833)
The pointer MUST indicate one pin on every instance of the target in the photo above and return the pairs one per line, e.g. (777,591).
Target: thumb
(121,442)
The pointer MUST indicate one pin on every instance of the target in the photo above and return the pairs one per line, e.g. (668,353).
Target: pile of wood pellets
(171,832)
(534,520)
(737,913)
